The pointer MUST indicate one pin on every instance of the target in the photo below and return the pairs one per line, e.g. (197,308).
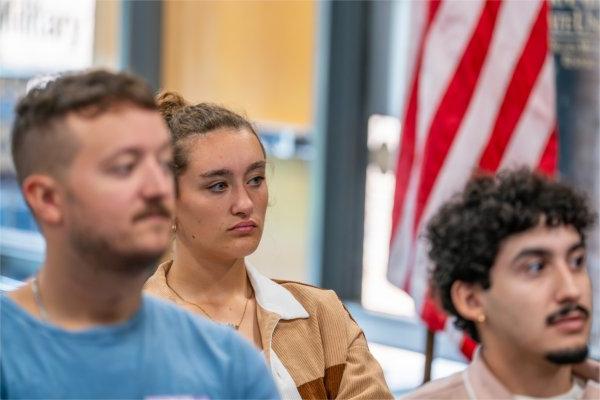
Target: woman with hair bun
(313,347)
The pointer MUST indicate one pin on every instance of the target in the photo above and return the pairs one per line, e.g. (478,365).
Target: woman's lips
(244,227)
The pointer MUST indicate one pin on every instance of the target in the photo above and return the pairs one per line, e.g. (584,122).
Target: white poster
(44,36)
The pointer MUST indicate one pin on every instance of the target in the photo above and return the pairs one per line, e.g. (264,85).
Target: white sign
(41,36)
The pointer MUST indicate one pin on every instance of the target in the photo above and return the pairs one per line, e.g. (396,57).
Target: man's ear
(42,193)
(467,300)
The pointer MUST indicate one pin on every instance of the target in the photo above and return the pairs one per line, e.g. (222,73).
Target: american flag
(481,96)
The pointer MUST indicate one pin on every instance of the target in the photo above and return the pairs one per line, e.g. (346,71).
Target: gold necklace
(229,324)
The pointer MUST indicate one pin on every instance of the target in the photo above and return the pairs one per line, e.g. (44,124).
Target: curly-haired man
(509,261)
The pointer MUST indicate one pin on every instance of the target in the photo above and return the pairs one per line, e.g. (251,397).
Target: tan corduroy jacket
(314,348)
(478,382)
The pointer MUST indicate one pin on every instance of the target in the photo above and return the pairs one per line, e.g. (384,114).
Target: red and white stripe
(482,96)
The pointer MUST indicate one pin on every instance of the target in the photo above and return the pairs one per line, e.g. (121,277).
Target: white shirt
(276,299)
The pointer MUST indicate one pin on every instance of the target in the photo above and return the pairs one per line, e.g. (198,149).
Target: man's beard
(99,251)
(568,356)
(571,355)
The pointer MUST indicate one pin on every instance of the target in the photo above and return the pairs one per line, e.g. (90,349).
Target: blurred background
(325,83)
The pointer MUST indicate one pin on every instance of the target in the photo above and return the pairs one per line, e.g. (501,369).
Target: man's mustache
(153,209)
(552,318)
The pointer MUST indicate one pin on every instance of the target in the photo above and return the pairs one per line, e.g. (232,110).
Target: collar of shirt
(481,383)
(274,297)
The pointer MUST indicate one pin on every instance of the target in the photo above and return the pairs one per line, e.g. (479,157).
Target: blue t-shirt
(161,352)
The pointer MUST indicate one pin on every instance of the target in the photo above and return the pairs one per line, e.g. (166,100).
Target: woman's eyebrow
(216,172)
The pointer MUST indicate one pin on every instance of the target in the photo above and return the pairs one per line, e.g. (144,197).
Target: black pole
(429,355)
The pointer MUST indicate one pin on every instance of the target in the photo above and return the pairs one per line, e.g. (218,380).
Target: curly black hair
(466,233)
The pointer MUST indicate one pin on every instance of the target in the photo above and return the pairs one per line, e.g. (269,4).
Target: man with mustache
(509,263)
(93,155)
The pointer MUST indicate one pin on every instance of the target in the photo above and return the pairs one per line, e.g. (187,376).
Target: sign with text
(40,36)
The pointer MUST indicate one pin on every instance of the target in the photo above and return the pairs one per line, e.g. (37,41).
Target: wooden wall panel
(253,56)
(107,31)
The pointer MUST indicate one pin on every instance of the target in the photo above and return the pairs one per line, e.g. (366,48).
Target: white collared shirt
(276,299)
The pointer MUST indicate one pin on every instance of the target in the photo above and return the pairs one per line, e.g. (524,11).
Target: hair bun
(169,103)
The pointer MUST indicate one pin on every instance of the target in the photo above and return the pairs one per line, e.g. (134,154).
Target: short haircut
(41,142)
(466,233)
(186,121)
